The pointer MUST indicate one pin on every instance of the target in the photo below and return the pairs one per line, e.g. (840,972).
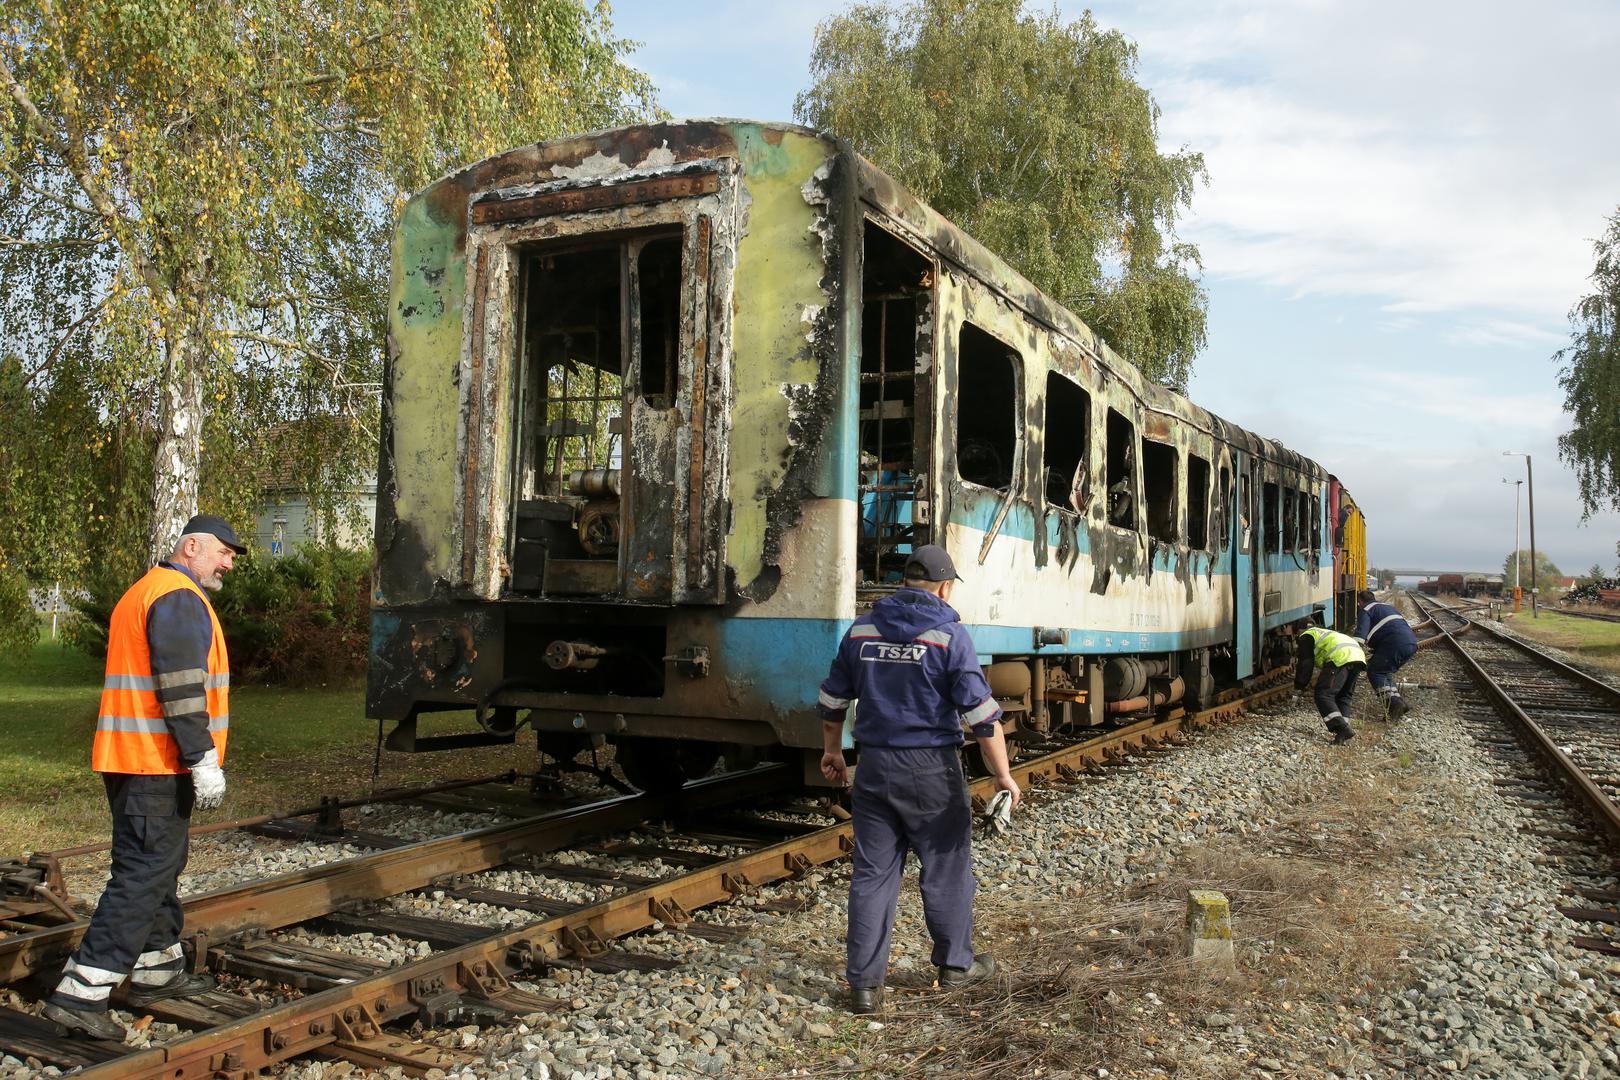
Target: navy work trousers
(1386,660)
(910,799)
(139,911)
(1335,686)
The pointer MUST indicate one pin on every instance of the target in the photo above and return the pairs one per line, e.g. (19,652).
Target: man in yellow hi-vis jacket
(1341,660)
(159,747)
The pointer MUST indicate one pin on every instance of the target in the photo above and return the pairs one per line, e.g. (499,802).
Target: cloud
(1439,157)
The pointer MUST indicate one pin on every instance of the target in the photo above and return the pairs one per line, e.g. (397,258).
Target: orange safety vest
(131,733)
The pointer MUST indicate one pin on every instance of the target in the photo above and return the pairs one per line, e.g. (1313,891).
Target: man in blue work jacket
(915,676)
(1391,643)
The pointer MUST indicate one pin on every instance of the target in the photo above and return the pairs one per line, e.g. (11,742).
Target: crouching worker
(1341,661)
(916,676)
(1390,637)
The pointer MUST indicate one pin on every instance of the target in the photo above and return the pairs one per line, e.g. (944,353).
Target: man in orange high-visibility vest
(159,746)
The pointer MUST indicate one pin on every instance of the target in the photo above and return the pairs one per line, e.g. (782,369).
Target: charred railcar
(667,406)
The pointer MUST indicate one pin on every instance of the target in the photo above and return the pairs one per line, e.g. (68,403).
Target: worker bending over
(1341,661)
(1390,640)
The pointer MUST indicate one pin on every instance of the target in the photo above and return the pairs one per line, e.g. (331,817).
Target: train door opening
(600,341)
(1244,578)
(894,492)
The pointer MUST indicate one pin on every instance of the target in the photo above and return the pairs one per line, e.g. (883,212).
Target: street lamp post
(1530,482)
(1518,560)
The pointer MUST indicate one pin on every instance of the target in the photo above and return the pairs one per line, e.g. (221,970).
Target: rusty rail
(1597,801)
(349,1020)
(292,898)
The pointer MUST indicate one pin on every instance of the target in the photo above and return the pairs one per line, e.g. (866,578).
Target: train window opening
(1316,524)
(1197,502)
(1290,523)
(1121,436)
(893,446)
(1223,503)
(1159,489)
(1302,521)
(1272,523)
(575,364)
(1064,467)
(987,409)
(1245,513)
(658,307)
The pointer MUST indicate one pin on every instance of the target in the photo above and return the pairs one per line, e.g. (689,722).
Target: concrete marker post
(1209,927)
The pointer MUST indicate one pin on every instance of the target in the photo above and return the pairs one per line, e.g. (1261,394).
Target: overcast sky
(1401,203)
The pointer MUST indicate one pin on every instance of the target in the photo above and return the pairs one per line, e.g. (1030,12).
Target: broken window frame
(1159,495)
(1076,479)
(1198,503)
(1271,532)
(1223,504)
(1008,459)
(1123,468)
(890,496)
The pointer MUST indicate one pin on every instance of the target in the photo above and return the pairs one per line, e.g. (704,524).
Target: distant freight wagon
(667,406)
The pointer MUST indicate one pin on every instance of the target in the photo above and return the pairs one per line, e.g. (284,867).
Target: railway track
(281,998)
(1561,755)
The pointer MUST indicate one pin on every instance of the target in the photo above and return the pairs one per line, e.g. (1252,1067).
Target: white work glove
(208,781)
(998,815)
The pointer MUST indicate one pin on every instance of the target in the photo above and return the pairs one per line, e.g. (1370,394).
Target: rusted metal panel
(578,201)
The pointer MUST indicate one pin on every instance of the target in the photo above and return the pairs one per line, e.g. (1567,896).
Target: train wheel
(664,765)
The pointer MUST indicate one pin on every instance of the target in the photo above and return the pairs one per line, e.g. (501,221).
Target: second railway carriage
(667,406)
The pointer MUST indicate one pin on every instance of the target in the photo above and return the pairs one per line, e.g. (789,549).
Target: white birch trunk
(179,447)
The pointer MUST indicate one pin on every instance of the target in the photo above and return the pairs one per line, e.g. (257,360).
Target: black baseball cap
(217,528)
(930,563)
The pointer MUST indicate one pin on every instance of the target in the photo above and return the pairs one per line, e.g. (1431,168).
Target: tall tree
(1591,380)
(1547,572)
(204,192)
(1035,136)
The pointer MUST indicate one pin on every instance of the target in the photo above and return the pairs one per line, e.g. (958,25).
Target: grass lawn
(1591,639)
(287,748)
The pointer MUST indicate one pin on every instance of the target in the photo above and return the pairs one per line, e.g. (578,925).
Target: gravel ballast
(1434,948)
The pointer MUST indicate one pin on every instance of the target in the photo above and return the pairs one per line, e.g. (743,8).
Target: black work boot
(1398,708)
(89,1023)
(182,985)
(865,1000)
(1341,730)
(984,966)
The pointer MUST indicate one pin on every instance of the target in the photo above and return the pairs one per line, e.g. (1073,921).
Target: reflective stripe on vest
(132,735)
(1335,648)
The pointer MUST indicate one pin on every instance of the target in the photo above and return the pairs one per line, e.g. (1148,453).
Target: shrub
(294,621)
(300,620)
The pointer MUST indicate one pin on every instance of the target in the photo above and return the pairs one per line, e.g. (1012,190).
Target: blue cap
(930,563)
(215,527)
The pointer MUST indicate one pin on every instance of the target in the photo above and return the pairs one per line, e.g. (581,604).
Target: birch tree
(1035,136)
(1591,380)
(195,199)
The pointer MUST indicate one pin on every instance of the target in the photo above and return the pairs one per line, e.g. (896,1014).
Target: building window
(987,409)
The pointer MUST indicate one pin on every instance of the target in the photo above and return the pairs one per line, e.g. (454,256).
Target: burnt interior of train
(988,417)
(587,310)
(1065,434)
(1121,475)
(1159,489)
(894,450)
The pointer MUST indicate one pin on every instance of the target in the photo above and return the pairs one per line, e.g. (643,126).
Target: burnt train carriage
(667,406)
